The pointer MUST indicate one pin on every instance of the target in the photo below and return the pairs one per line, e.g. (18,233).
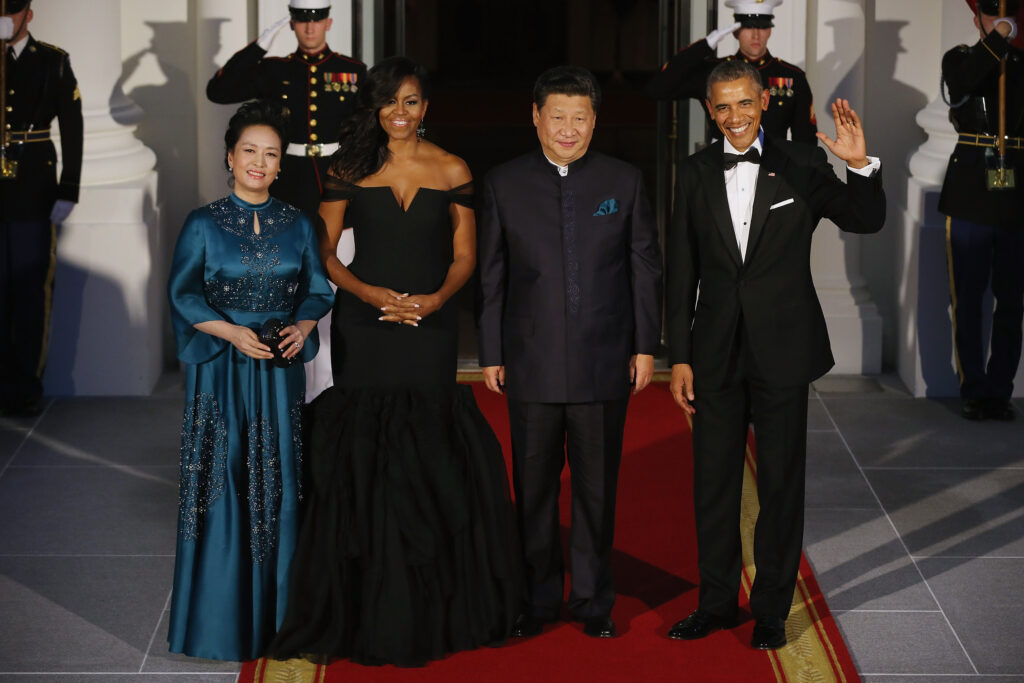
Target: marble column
(106,322)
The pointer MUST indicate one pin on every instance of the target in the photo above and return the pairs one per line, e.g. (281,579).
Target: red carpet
(655,569)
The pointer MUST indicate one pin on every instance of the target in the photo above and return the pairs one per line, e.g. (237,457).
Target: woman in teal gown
(240,261)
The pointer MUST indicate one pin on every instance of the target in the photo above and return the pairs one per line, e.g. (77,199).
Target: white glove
(267,37)
(716,36)
(61,210)
(1011,22)
(6,28)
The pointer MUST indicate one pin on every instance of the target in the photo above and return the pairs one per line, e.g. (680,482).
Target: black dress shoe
(698,625)
(526,626)
(769,634)
(24,409)
(972,409)
(599,627)
(999,409)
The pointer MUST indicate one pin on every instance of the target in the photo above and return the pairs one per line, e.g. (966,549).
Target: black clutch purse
(270,334)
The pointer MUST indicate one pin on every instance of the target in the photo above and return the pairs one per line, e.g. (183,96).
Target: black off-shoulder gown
(407,549)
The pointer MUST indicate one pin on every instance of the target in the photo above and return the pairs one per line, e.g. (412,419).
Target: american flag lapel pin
(771,174)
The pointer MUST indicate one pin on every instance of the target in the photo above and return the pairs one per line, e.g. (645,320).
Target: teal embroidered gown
(241,443)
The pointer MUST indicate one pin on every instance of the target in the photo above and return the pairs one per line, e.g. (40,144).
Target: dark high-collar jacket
(972,77)
(570,277)
(41,87)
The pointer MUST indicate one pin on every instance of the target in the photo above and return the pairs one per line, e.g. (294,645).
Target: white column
(222,29)
(835,45)
(106,321)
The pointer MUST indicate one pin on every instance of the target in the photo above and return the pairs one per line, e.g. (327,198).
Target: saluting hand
(849,144)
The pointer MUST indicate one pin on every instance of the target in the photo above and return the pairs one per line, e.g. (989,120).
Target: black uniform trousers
(27,258)
(976,252)
(779,416)
(301,183)
(543,435)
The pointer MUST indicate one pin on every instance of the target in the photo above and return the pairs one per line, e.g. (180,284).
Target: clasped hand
(404,309)
(248,342)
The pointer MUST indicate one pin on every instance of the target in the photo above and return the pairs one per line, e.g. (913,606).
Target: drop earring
(421,131)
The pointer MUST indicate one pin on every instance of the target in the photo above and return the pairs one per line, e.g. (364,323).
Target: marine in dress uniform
(317,85)
(985,227)
(39,86)
(792,106)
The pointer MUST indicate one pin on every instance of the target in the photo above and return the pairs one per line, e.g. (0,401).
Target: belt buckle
(312,150)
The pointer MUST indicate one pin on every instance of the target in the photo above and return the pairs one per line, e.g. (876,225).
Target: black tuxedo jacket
(771,291)
(570,277)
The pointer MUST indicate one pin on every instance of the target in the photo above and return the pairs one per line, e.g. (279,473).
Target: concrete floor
(915,528)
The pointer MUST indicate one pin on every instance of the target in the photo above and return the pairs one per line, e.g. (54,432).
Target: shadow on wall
(892,134)
(168,127)
(90,309)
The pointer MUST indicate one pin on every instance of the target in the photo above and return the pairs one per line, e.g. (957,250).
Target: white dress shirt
(741,183)
(19,46)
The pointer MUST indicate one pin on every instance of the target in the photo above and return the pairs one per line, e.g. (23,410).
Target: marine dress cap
(753,13)
(309,10)
(15,6)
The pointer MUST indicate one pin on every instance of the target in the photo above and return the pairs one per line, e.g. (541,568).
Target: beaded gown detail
(241,442)
(407,549)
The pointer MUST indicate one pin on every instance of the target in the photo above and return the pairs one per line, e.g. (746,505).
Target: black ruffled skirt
(408,548)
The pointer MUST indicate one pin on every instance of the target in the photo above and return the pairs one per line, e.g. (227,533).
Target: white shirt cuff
(874,163)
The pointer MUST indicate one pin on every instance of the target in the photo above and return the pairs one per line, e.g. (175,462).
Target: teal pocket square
(607,206)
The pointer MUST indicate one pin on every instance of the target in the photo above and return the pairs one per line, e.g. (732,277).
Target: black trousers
(301,183)
(980,255)
(27,260)
(543,436)
(779,416)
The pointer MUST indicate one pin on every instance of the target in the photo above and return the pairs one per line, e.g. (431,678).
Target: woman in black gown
(407,548)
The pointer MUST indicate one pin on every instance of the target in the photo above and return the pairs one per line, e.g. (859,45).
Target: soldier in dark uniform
(38,87)
(985,227)
(317,86)
(791,108)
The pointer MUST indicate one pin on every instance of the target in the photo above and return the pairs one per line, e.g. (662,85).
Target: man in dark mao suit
(747,346)
(570,316)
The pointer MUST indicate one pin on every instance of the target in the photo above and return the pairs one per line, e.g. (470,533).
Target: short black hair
(256,113)
(567,80)
(731,70)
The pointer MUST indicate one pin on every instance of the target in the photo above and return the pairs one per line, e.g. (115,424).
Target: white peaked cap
(753,6)
(309,4)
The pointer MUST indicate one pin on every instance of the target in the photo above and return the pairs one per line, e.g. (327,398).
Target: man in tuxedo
(570,317)
(747,346)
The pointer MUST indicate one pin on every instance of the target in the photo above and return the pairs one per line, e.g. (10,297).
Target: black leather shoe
(769,634)
(599,627)
(972,409)
(999,409)
(24,409)
(698,625)
(526,626)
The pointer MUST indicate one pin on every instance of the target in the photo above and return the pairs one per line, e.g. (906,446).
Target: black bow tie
(751,155)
